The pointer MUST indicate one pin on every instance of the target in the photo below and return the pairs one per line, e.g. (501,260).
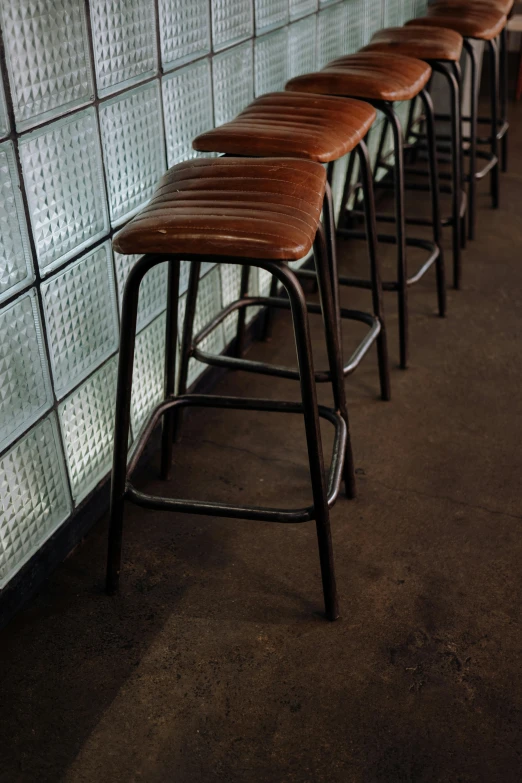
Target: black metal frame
(451,72)
(403,281)
(324,493)
(497,120)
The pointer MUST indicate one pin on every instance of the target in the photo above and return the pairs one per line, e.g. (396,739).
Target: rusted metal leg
(313,434)
(122,419)
(171,349)
(186,340)
(331,319)
(375,267)
(435,204)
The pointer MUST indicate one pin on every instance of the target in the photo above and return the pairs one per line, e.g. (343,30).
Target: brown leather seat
(471,22)
(502,6)
(319,128)
(258,208)
(370,75)
(434,44)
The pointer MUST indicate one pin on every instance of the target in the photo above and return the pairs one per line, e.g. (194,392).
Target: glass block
(187,103)
(25,386)
(232,22)
(270,14)
(124,41)
(233,80)
(87,424)
(81,317)
(355,21)
(392,13)
(34,499)
(372,20)
(63,177)
(153,288)
(208,305)
(148,377)
(300,8)
(16,269)
(332,34)
(302,45)
(323,3)
(184,31)
(47,57)
(271,62)
(419,7)
(230,276)
(133,148)
(4,117)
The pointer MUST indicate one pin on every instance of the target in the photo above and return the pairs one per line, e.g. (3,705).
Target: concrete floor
(215,664)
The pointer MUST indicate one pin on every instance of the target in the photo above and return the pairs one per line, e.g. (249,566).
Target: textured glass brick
(232,22)
(392,13)
(233,80)
(124,40)
(271,62)
(419,8)
(300,8)
(230,277)
(47,58)
(34,499)
(184,31)
(153,288)
(16,269)
(133,148)
(270,14)
(332,34)
(323,3)
(355,22)
(4,118)
(81,317)
(148,377)
(87,423)
(302,45)
(372,20)
(208,305)
(187,102)
(63,177)
(25,387)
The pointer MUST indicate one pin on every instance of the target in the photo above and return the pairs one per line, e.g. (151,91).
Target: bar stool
(479,24)
(503,7)
(383,79)
(322,129)
(263,213)
(441,49)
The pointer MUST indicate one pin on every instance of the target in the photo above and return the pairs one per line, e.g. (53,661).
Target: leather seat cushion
(319,128)
(473,22)
(436,43)
(502,6)
(370,75)
(266,208)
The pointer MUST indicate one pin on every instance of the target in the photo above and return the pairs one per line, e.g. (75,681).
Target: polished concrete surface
(215,663)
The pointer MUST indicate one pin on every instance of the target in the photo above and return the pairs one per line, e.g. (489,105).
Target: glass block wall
(96,99)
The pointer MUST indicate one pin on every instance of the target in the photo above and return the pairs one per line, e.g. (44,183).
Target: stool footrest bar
(232,510)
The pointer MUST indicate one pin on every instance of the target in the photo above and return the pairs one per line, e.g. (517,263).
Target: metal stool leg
(331,319)
(503,92)
(171,349)
(435,205)
(122,416)
(241,317)
(400,227)
(493,64)
(365,173)
(186,339)
(313,437)
(472,186)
